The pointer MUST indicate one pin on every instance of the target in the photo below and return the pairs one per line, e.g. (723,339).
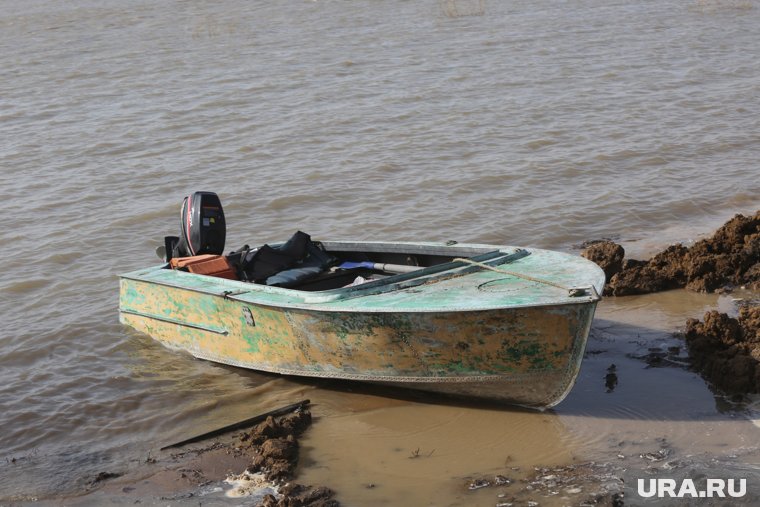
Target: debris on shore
(726,350)
(274,446)
(730,258)
(590,483)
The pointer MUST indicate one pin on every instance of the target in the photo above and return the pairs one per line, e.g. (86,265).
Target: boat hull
(525,355)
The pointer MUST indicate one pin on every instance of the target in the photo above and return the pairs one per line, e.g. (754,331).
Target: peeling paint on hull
(526,354)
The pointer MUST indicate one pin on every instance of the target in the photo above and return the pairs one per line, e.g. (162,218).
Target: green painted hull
(508,332)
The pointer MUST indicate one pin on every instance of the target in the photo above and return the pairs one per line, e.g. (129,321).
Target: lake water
(523,123)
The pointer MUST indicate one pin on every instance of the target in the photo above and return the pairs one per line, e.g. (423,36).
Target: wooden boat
(493,322)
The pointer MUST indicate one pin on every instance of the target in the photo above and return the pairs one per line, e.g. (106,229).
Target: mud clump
(274,443)
(608,255)
(293,424)
(726,351)
(296,495)
(275,446)
(731,257)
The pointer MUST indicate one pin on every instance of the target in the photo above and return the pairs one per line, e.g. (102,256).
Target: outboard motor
(202,227)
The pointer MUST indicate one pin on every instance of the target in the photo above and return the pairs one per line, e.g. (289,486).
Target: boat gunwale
(324,300)
(319,306)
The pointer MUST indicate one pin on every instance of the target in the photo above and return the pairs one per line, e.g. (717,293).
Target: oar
(389,268)
(241,424)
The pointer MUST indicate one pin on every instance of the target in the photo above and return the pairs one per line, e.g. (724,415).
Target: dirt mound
(726,350)
(731,257)
(274,444)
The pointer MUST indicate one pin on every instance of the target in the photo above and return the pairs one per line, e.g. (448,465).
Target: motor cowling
(203,229)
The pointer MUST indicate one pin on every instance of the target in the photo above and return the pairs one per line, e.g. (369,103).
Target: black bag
(316,261)
(261,265)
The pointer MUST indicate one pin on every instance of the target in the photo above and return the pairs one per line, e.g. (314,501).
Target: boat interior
(303,264)
(365,266)
(353,266)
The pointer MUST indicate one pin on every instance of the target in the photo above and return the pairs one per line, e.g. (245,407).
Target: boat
(499,323)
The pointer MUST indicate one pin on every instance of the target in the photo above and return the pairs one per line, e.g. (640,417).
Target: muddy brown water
(518,123)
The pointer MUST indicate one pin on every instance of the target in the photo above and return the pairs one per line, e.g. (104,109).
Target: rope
(512,273)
